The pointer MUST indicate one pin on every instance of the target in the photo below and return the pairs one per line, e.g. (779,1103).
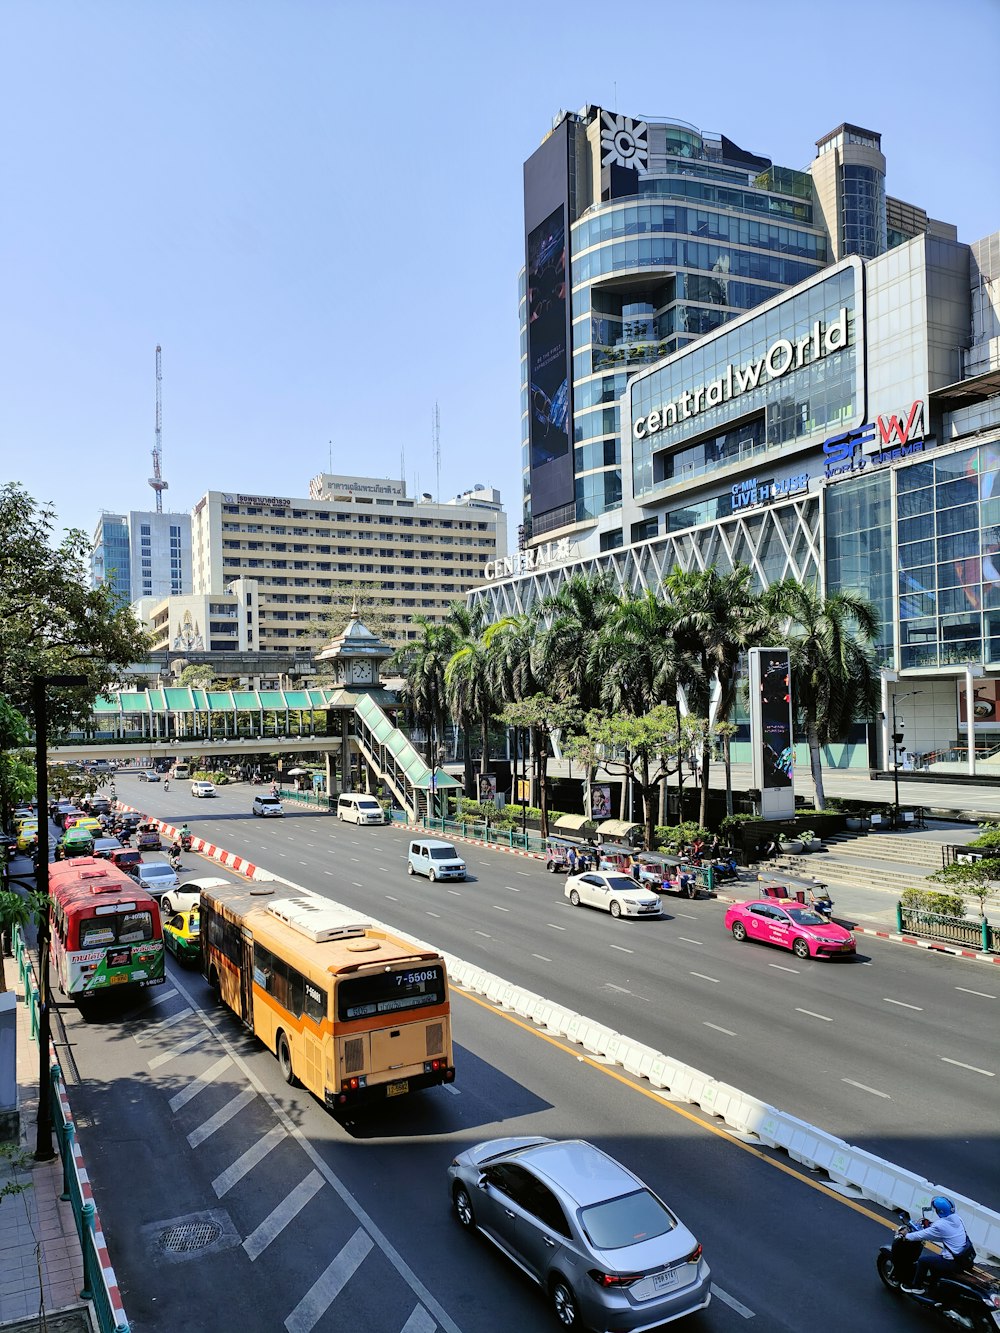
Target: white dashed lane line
(984,994)
(809,1014)
(454,893)
(524,873)
(435,914)
(865,1088)
(973,1068)
(715,1027)
(621,948)
(541,958)
(512,889)
(687,941)
(701,976)
(498,908)
(778,967)
(552,926)
(484,934)
(903,1005)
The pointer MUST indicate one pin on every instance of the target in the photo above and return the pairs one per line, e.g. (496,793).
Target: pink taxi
(794,927)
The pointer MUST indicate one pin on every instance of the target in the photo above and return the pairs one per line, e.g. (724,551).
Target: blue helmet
(942,1206)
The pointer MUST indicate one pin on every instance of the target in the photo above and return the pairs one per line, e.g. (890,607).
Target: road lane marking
(621,948)
(985,994)
(328,1286)
(552,926)
(687,941)
(779,968)
(168,993)
(715,980)
(435,914)
(232,1175)
(290,1207)
(455,893)
(512,889)
(484,863)
(903,1005)
(390,899)
(728,1031)
(525,873)
(497,908)
(809,1014)
(155,1029)
(167,1056)
(975,1068)
(327,872)
(199,1084)
(731,1301)
(420,1321)
(221,1117)
(865,1088)
(689,916)
(484,934)
(356,885)
(303,863)
(384,869)
(541,958)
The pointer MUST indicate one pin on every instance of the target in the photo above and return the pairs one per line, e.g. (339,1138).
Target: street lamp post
(524,783)
(43,1141)
(897,741)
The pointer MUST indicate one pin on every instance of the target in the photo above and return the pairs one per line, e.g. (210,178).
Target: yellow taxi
(27,832)
(182,936)
(93,826)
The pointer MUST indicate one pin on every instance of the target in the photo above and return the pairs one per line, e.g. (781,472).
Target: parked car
(267,805)
(435,859)
(202,789)
(605,1249)
(618,894)
(182,935)
(801,929)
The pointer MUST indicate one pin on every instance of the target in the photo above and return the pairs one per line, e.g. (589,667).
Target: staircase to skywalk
(892,861)
(391,756)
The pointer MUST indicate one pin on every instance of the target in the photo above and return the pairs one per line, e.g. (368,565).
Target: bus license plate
(397,1089)
(120,976)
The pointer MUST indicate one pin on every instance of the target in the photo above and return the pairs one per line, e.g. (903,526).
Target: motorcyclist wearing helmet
(948,1230)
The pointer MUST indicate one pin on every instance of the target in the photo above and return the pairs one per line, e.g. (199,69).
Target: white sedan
(618,894)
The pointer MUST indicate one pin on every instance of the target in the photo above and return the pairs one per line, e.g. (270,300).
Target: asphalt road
(231,1201)
(897,1052)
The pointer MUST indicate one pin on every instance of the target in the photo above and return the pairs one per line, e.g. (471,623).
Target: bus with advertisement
(355,1014)
(104,930)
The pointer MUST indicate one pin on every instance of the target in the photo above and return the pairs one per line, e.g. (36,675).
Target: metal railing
(949,929)
(100,1285)
(478,831)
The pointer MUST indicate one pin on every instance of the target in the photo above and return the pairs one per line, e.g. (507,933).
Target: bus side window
(288,987)
(316,1003)
(263,969)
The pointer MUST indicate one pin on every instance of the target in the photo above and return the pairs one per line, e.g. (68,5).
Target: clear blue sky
(316,209)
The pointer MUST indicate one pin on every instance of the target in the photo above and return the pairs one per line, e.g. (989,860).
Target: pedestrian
(571,860)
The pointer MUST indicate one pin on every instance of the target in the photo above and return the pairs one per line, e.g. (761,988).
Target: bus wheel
(285,1060)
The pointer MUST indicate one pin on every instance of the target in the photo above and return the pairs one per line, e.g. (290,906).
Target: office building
(301,561)
(142,554)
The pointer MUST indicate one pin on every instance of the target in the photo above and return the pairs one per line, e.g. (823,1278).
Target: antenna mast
(156,480)
(437,450)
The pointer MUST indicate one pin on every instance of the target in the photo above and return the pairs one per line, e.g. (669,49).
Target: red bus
(104,929)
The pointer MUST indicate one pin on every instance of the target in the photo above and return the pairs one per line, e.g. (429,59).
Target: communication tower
(156,480)
(436,429)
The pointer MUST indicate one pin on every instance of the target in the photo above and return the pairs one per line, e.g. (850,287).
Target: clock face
(363,672)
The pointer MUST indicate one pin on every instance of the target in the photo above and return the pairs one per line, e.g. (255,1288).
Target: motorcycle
(963,1299)
(185,842)
(175,863)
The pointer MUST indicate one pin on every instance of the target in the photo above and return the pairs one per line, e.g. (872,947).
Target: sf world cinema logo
(887,439)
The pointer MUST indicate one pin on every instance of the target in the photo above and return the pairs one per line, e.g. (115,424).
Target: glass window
(617,1222)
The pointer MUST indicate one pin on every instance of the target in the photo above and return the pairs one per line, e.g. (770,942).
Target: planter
(791,846)
(814,845)
(855,823)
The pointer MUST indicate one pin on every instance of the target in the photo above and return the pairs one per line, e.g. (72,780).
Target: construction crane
(156,480)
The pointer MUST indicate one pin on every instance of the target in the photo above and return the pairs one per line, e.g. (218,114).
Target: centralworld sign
(781,357)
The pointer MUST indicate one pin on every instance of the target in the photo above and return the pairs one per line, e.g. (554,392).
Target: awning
(618,828)
(575,822)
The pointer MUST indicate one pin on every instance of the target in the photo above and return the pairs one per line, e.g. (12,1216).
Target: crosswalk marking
(290,1207)
(167,1056)
(200,1083)
(247,1161)
(154,1029)
(328,1286)
(221,1117)
(155,997)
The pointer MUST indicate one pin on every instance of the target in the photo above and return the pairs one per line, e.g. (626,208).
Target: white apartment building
(407,556)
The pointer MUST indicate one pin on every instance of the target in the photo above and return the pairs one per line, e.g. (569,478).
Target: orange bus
(104,929)
(354,1014)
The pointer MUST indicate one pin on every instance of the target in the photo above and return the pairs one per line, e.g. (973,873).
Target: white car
(618,894)
(188,898)
(267,805)
(156,877)
(202,788)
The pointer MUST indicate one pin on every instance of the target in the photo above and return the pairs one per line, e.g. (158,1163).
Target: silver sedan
(618,894)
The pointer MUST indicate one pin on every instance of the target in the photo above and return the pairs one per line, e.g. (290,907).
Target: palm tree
(423,663)
(469,684)
(512,651)
(576,613)
(834,669)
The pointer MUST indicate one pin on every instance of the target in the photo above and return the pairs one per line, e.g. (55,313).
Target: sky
(315,209)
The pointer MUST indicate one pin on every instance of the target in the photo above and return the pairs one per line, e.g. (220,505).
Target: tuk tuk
(668,874)
(615,857)
(557,854)
(809,892)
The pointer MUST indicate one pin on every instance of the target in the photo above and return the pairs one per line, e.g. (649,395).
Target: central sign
(526,562)
(782,356)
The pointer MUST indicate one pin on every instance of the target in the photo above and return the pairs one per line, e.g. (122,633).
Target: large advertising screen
(771,731)
(547,259)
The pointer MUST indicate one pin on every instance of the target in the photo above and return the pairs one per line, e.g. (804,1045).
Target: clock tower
(354,658)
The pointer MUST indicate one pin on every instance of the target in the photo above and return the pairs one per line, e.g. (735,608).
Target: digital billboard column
(771,731)
(550,355)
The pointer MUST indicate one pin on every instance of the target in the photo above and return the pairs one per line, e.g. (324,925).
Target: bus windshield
(389,992)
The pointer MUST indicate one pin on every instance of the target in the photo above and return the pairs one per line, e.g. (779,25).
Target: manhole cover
(189,1236)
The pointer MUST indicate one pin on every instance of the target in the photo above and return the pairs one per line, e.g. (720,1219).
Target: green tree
(350,600)
(570,626)
(540,715)
(17,772)
(51,620)
(198,676)
(469,686)
(976,878)
(423,662)
(834,669)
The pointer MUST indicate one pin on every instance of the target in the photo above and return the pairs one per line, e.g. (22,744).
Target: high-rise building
(305,559)
(142,554)
(642,236)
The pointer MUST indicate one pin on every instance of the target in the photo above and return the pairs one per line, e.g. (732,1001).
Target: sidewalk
(41,1263)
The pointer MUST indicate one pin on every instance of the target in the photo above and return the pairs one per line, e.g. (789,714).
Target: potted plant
(810,841)
(790,846)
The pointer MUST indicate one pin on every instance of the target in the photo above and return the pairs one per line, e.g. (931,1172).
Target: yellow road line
(658,1098)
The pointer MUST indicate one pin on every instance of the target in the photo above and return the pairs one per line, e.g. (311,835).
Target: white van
(436,860)
(357,807)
